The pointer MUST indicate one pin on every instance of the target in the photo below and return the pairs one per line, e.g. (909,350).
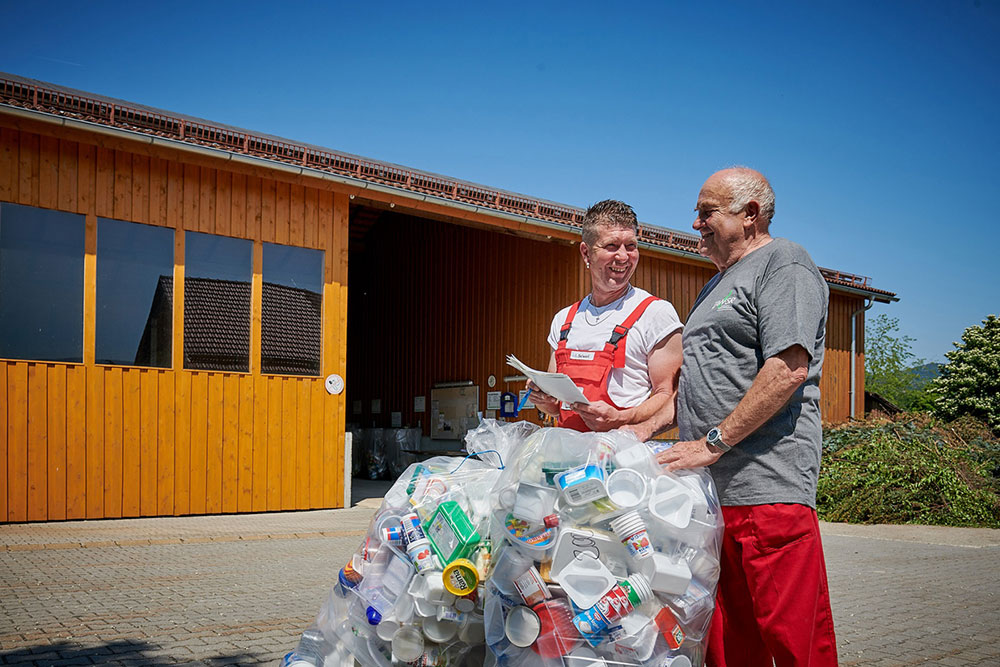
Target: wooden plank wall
(435,302)
(92,441)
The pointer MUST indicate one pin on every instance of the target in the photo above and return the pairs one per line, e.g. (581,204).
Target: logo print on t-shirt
(725,303)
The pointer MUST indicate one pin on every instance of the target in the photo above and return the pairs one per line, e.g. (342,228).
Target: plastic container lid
(460,577)
(522,626)
(386,629)
(439,631)
(407,644)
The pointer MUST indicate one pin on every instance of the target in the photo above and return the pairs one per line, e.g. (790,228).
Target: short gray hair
(608,213)
(746,185)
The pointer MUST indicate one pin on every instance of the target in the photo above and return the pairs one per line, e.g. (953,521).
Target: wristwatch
(714,439)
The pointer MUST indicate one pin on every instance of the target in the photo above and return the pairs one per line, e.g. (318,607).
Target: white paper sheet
(557,385)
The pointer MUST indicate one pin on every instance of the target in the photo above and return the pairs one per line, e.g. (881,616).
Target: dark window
(134,293)
(41,284)
(292,309)
(217,272)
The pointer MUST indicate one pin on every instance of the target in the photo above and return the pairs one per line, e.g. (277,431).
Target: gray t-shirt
(768,301)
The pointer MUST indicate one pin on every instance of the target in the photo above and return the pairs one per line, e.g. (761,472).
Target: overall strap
(621,330)
(564,331)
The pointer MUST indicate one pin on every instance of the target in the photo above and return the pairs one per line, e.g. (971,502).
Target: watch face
(713,436)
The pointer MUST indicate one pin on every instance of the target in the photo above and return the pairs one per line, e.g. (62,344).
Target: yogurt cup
(631,530)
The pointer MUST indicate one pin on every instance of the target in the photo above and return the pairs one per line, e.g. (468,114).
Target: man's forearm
(657,413)
(777,381)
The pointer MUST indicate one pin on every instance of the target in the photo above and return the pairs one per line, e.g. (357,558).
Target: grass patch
(910,469)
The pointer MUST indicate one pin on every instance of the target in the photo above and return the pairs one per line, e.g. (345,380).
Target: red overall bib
(590,369)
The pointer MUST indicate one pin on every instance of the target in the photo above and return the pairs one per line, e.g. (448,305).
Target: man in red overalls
(621,345)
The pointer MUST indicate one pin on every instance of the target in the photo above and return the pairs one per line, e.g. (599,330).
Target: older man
(748,407)
(620,344)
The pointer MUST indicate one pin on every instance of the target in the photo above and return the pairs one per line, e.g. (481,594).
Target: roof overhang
(564,220)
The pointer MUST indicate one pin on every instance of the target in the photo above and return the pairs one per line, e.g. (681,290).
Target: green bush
(910,470)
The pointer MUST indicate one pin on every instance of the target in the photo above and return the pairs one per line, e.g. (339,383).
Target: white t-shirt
(592,327)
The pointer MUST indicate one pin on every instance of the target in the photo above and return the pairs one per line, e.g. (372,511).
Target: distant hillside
(926,372)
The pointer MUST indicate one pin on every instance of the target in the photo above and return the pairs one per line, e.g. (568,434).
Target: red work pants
(773,600)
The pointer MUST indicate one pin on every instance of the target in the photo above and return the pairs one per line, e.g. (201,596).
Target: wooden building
(174,294)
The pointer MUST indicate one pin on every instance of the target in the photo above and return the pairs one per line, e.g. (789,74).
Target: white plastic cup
(626,488)
(522,626)
(407,644)
(509,565)
(631,530)
(640,585)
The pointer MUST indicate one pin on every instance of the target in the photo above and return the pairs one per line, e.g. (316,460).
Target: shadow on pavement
(121,652)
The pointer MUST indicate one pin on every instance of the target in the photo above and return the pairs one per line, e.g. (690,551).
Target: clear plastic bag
(543,547)
(599,556)
(413,591)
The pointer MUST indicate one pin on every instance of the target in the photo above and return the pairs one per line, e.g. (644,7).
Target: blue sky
(876,122)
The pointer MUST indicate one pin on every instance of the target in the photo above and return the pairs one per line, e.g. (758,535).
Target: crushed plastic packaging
(519,554)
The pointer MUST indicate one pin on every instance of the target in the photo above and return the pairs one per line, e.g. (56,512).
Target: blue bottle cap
(374,617)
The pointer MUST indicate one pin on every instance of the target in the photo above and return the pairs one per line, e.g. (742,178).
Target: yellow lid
(460,577)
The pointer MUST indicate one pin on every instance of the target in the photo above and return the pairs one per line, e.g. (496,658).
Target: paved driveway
(239,589)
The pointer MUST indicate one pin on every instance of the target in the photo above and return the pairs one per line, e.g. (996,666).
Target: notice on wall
(376,406)
(419,403)
(357,408)
(493,400)
(397,419)
(454,410)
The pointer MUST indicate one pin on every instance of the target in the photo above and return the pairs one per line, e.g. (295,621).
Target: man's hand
(599,416)
(543,401)
(688,454)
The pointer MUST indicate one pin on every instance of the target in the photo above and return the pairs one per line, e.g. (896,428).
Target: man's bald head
(743,186)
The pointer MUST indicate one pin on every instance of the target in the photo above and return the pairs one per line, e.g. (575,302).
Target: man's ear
(751,212)
(584,251)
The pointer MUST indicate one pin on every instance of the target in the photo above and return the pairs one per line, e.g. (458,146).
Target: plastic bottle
(392,572)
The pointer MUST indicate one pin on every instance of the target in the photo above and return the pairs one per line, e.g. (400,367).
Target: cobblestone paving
(238,590)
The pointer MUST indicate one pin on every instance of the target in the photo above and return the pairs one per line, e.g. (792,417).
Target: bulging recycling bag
(553,548)
(599,556)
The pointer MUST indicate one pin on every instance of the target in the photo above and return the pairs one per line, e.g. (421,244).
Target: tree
(889,365)
(969,384)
